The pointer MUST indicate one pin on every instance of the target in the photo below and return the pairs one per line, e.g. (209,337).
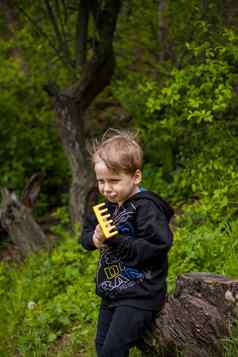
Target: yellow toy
(105,221)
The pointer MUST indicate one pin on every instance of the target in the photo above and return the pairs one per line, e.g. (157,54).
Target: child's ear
(138,176)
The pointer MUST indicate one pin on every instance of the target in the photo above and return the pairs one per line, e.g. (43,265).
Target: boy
(132,269)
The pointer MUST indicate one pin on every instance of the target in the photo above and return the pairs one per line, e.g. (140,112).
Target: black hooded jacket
(133,266)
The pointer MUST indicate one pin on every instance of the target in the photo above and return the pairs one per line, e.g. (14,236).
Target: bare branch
(82,32)
(63,46)
(51,89)
(65,12)
(44,34)
(53,21)
(60,14)
(38,29)
(105,16)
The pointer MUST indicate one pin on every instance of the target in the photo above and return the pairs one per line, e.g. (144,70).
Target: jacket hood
(159,201)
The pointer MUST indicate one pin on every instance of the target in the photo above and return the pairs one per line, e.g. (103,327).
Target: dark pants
(119,328)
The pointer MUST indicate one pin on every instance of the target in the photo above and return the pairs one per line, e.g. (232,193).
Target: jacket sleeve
(152,241)
(89,226)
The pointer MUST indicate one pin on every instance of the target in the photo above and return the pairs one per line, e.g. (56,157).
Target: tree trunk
(197,317)
(71,105)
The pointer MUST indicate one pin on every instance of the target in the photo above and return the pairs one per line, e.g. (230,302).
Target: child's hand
(98,237)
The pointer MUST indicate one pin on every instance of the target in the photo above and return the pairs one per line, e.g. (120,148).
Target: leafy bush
(204,247)
(28,136)
(187,123)
(47,298)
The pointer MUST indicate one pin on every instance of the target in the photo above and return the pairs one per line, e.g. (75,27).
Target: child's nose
(107,187)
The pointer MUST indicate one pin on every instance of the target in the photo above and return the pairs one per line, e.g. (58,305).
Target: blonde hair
(119,150)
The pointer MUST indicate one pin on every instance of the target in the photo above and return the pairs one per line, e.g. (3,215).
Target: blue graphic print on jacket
(130,273)
(113,274)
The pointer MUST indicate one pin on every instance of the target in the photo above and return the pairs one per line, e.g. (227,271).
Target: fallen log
(196,318)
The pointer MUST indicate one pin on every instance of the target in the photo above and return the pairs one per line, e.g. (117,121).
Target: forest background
(176,83)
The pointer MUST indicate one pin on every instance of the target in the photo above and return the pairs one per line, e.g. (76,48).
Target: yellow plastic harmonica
(105,221)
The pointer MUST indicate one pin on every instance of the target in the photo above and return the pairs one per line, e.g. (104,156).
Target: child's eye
(115,180)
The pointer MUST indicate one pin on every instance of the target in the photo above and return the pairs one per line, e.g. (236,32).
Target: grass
(50,306)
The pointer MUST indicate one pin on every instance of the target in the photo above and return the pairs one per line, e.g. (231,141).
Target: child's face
(116,187)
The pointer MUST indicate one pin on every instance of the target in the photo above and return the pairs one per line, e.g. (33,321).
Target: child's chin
(112,199)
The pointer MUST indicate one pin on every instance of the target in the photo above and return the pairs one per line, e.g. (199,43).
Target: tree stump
(17,220)
(197,317)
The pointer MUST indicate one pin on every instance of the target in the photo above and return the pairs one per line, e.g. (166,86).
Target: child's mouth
(111,198)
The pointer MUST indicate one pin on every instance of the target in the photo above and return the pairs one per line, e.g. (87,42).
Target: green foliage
(184,109)
(231,343)
(29,141)
(187,124)
(138,50)
(204,247)
(48,298)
